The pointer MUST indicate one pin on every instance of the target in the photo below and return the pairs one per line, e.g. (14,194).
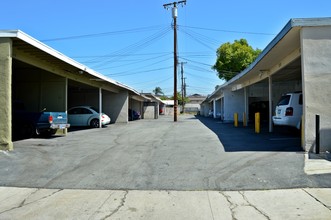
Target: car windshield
(284,100)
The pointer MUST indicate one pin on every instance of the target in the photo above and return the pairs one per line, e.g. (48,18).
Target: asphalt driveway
(194,153)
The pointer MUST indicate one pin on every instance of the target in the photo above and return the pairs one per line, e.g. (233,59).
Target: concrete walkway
(33,203)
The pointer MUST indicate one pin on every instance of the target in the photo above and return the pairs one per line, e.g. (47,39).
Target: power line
(228,31)
(138,61)
(134,47)
(129,31)
(126,73)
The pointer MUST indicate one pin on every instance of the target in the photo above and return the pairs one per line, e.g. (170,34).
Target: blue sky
(132,41)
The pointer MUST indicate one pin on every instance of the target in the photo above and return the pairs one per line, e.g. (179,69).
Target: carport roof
(152,97)
(36,47)
(281,46)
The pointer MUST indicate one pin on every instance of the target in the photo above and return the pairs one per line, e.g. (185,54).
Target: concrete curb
(33,203)
(316,164)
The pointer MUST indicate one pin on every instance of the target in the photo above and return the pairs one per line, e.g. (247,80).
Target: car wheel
(94,123)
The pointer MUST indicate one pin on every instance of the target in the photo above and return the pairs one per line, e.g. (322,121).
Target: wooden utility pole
(174,16)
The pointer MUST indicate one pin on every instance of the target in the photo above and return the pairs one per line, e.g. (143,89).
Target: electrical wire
(125,73)
(227,31)
(137,61)
(131,49)
(103,34)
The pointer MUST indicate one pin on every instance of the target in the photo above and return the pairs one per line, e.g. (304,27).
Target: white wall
(316,79)
(234,102)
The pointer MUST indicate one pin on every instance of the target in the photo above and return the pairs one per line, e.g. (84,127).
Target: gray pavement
(196,168)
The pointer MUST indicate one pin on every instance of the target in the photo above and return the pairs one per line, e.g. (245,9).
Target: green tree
(179,98)
(234,58)
(158,91)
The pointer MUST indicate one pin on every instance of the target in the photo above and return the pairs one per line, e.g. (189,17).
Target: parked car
(133,115)
(26,124)
(288,111)
(86,116)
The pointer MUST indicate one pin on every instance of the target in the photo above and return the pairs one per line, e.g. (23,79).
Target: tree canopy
(234,58)
(179,98)
(158,91)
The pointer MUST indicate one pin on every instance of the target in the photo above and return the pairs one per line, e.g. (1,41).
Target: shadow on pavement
(245,139)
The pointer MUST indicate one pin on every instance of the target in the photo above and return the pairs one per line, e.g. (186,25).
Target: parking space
(193,154)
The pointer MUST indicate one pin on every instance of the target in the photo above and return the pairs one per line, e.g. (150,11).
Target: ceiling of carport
(20,45)
(274,56)
(290,72)
(77,86)
(35,57)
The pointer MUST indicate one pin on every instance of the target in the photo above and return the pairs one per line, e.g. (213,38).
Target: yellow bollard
(244,119)
(235,119)
(257,123)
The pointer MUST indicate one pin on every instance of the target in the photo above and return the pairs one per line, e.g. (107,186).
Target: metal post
(257,123)
(317,148)
(235,116)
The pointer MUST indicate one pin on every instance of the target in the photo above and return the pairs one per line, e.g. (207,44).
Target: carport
(42,78)
(298,59)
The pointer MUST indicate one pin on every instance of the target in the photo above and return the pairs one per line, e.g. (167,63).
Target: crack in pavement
(123,200)
(92,216)
(22,204)
(319,201)
(232,206)
(251,205)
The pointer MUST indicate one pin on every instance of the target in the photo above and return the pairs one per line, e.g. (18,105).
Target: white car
(86,116)
(289,110)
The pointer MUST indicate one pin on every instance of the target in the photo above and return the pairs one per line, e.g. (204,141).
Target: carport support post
(246,107)
(100,107)
(270,104)
(5,94)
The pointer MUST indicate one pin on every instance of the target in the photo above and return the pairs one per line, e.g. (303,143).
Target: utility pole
(174,16)
(183,95)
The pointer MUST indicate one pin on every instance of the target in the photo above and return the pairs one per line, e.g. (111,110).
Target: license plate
(62,126)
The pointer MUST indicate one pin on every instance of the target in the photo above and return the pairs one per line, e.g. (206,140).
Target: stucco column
(100,107)
(246,105)
(214,108)
(270,104)
(5,94)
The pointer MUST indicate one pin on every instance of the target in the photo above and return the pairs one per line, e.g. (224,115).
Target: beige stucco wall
(116,105)
(316,79)
(149,112)
(5,94)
